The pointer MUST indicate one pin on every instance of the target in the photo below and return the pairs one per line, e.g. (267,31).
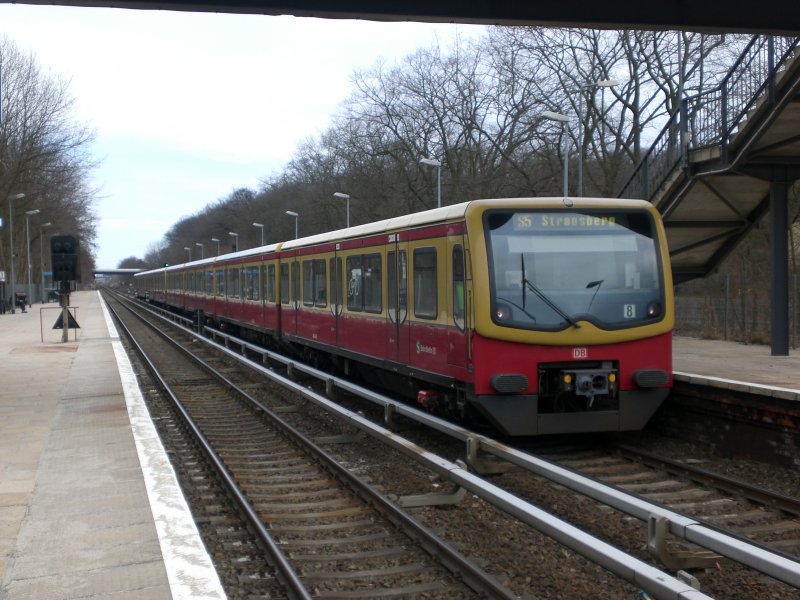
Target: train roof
(454,211)
(436,215)
(445,213)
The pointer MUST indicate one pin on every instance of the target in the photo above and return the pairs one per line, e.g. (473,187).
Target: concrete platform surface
(729,364)
(89,505)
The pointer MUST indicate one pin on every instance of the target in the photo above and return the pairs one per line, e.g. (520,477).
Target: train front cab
(552,352)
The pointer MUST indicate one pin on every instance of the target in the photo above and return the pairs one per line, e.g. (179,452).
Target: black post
(64,298)
(779,259)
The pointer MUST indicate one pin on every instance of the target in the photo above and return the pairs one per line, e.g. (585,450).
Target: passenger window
(391,283)
(233,283)
(355,296)
(314,283)
(425,283)
(271,283)
(372,282)
(295,283)
(221,283)
(308,283)
(284,283)
(458,286)
(397,282)
(263,286)
(336,281)
(255,286)
(320,283)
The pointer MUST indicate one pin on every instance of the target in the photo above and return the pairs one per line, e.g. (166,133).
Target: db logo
(578,353)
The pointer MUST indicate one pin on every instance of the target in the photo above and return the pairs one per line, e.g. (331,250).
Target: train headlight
(654,310)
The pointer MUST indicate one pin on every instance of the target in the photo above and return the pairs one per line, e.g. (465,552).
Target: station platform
(89,504)
(733,365)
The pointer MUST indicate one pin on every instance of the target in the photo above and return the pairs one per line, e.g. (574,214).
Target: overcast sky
(188,107)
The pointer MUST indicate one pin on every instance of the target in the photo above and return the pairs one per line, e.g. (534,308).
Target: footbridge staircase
(723,161)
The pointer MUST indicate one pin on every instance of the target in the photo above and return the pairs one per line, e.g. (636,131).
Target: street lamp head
(430,161)
(16,196)
(199,244)
(43,225)
(35,211)
(341,195)
(291,213)
(187,248)
(554,116)
(258,225)
(608,83)
(215,239)
(233,234)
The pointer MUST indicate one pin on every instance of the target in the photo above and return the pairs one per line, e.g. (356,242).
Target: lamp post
(41,253)
(564,120)
(28,214)
(202,250)
(432,162)
(11,243)
(588,86)
(261,227)
(235,237)
(346,197)
(189,250)
(291,213)
(217,241)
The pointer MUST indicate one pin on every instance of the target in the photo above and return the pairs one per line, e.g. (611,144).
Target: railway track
(531,469)
(330,534)
(755,513)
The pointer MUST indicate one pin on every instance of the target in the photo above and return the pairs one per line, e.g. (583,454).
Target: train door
(290,296)
(234,291)
(457,300)
(397,327)
(336,286)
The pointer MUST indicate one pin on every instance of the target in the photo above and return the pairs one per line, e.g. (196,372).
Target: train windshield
(551,270)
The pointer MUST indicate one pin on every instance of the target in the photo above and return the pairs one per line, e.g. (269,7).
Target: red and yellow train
(541,315)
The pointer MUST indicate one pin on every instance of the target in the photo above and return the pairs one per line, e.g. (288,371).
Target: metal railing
(712,118)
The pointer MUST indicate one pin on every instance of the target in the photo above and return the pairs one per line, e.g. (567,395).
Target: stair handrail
(704,119)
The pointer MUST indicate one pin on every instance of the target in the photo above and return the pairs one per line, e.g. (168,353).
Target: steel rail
(751,492)
(743,551)
(475,577)
(284,570)
(629,568)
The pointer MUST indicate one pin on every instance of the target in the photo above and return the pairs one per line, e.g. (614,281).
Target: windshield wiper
(596,285)
(529,285)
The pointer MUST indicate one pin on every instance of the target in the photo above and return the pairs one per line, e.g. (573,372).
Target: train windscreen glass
(551,270)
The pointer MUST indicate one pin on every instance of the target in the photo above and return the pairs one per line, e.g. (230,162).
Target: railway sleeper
(454,496)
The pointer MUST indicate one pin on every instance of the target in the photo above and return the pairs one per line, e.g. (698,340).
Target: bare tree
(651,70)
(44,154)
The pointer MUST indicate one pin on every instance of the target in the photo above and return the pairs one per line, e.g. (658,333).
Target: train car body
(541,315)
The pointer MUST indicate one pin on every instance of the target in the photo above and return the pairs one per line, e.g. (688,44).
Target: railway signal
(66,268)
